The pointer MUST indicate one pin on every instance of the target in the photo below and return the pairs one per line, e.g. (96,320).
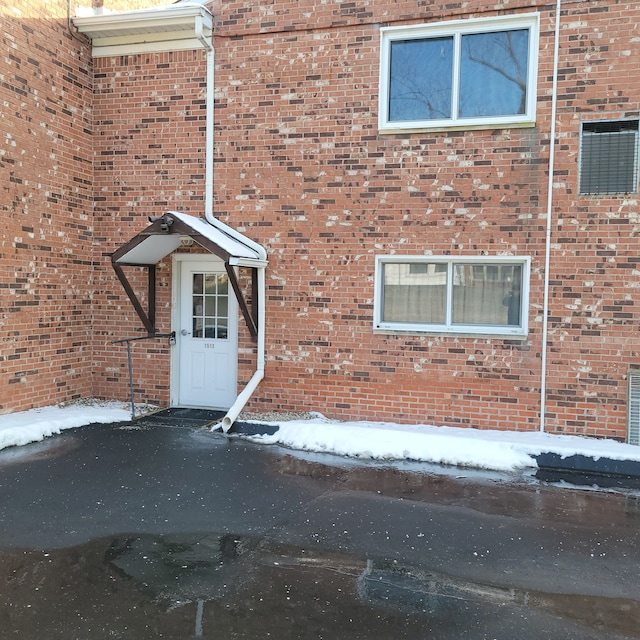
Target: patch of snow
(312,432)
(463,447)
(24,427)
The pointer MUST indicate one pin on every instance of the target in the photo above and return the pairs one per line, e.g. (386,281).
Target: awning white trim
(156,247)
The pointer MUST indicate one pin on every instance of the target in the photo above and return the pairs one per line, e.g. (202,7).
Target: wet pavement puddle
(213,585)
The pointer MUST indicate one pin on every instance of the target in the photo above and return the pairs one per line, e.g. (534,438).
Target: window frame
(449,328)
(456,29)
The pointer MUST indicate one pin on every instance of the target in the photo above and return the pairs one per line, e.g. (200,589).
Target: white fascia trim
(145,47)
(150,18)
(166,29)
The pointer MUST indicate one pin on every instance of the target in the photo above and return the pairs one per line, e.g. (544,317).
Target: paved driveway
(172,532)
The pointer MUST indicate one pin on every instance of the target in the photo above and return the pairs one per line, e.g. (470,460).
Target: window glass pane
(198,308)
(485,297)
(210,306)
(414,297)
(210,329)
(223,284)
(210,283)
(420,79)
(197,283)
(493,73)
(223,306)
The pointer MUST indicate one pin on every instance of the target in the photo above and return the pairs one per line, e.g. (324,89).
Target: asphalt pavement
(166,530)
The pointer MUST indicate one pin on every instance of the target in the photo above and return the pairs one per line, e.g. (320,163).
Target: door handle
(184,332)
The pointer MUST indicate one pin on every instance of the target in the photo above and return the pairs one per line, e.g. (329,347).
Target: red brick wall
(594,309)
(297,137)
(301,164)
(301,167)
(150,150)
(45,181)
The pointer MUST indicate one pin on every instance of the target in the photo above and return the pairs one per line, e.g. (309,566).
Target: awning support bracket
(250,319)
(148,316)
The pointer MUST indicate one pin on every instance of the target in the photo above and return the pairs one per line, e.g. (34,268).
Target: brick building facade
(398,229)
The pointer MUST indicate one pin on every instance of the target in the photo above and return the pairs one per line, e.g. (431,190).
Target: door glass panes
(210,305)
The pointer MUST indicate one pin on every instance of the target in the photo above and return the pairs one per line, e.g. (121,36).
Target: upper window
(452,295)
(609,157)
(463,73)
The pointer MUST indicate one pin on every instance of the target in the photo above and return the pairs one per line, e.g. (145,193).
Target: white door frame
(177,260)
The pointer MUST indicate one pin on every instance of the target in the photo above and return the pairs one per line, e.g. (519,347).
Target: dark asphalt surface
(173,532)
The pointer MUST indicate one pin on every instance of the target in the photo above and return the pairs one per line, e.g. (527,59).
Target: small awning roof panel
(158,240)
(151,250)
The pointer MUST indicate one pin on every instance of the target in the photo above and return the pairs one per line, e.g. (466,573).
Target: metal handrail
(128,342)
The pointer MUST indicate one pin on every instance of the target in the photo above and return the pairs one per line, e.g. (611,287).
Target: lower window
(452,295)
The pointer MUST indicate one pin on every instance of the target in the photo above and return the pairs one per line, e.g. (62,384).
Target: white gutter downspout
(243,398)
(547,256)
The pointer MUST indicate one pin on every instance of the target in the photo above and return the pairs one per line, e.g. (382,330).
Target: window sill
(391,129)
(518,337)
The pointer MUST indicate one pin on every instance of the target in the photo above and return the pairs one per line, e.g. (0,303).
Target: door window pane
(210,305)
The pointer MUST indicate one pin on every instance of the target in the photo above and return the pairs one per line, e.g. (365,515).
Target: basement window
(479,296)
(609,157)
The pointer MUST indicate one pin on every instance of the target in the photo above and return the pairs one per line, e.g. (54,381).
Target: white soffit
(151,250)
(171,28)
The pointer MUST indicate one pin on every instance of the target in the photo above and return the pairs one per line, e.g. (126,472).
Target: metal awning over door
(162,237)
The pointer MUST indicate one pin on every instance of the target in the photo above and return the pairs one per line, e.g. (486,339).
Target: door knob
(184,332)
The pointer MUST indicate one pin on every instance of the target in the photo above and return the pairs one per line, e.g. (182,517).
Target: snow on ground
(467,447)
(24,427)
(499,450)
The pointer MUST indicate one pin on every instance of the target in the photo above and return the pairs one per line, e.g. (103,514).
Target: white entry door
(207,335)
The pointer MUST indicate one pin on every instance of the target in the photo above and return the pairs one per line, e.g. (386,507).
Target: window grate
(633,419)
(609,157)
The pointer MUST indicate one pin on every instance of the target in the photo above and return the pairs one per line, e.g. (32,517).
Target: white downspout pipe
(258,375)
(547,256)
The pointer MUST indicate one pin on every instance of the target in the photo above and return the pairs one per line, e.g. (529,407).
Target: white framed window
(471,73)
(461,295)
(609,157)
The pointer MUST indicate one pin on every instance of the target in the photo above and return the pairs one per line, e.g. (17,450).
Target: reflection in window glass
(481,298)
(493,74)
(459,73)
(420,85)
(414,297)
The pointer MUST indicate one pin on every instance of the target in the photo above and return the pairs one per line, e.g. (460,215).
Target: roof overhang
(175,27)
(163,236)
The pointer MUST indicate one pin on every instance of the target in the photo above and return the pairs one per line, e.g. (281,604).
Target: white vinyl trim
(456,28)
